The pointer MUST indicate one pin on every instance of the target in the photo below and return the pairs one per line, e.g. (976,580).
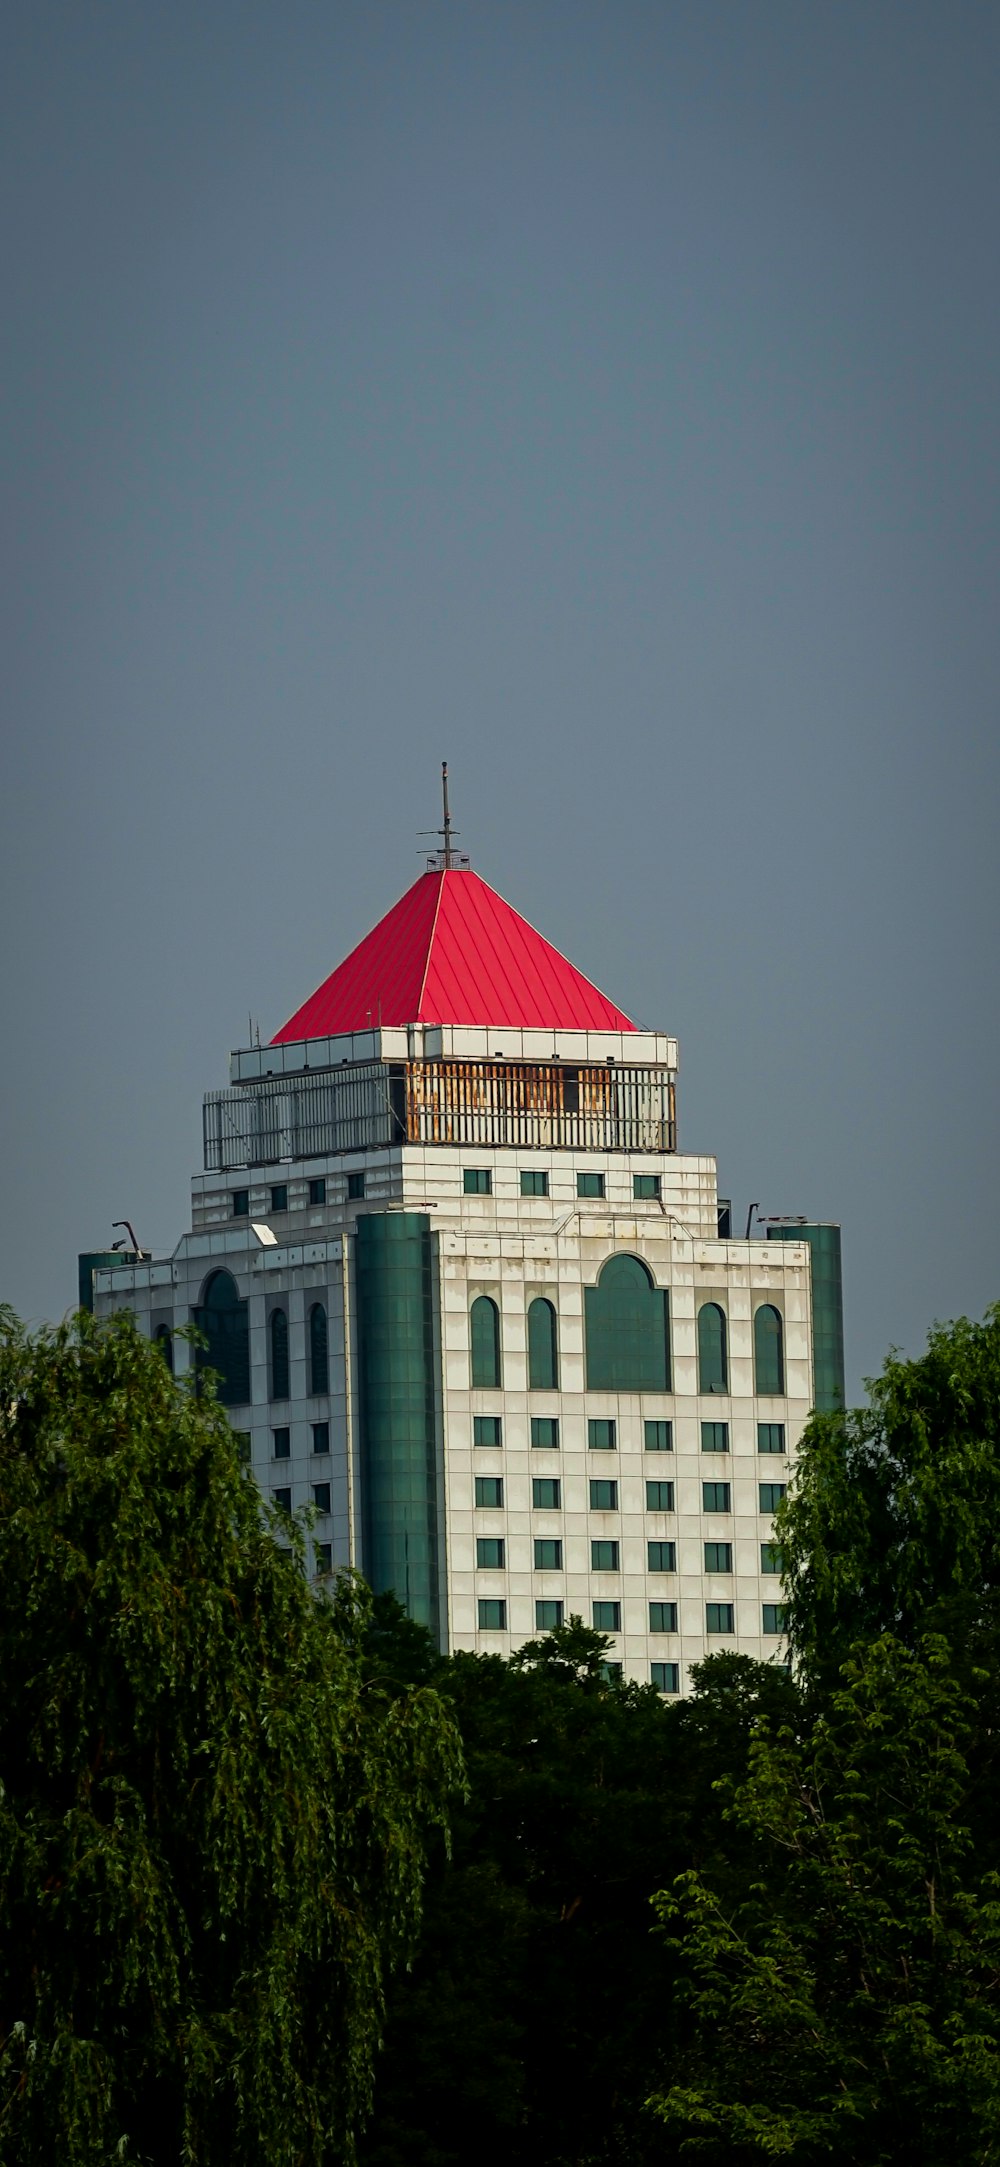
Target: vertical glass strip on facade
(397,1394)
(827,1309)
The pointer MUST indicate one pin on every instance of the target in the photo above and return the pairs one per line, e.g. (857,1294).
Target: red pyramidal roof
(452,951)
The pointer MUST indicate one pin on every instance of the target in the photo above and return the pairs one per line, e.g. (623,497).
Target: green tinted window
(534,1183)
(163,1338)
(543,1350)
(604,1557)
(278,1331)
(715,1437)
(321,1437)
(627,1335)
(545,1432)
(590,1185)
(770,1437)
(492,1614)
(713,1364)
(241,1203)
(774,1618)
(487,1430)
(281,1444)
(602,1435)
(647,1185)
(548,1615)
(659,1497)
(355,1186)
(279,1196)
(319,1351)
(490,1551)
(661,1557)
(604,1496)
(770,1557)
(484,1320)
(477,1181)
(321,1496)
(715,1497)
(719,1617)
(222,1318)
(665,1677)
(317,1191)
(658,1436)
(663,1617)
(548,1554)
(771,1494)
(282,1499)
(718,1557)
(607,1617)
(323,1555)
(768,1351)
(489,1489)
(545,1493)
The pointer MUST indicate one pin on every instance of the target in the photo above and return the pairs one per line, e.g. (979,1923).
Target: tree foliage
(212,1819)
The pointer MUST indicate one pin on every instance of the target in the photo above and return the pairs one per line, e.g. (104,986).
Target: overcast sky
(603,397)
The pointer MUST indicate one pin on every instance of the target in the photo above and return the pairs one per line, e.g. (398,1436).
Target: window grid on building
(489,1490)
(661,1557)
(487,1430)
(658,1436)
(715,1437)
(602,1434)
(603,1495)
(545,1433)
(770,1437)
(659,1497)
(546,1493)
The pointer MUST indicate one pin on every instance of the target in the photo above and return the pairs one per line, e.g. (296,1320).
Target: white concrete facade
(513,1248)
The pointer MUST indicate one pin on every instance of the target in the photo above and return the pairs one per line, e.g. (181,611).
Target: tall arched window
(484,1323)
(319,1354)
(627,1330)
(543,1347)
(222,1317)
(713,1361)
(768,1351)
(278,1330)
(164,1340)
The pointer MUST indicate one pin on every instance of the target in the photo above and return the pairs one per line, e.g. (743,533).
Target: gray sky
(601,397)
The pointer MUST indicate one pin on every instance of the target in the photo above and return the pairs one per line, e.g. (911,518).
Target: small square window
(477,1181)
(663,1617)
(489,1489)
(490,1551)
(603,1496)
(604,1557)
(548,1554)
(548,1615)
(718,1557)
(718,1617)
(771,1494)
(317,1191)
(774,1618)
(601,1434)
(770,1437)
(661,1557)
(715,1437)
(241,1203)
(545,1433)
(546,1493)
(607,1617)
(281,1444)
(321,1496)
(283,1500)
(770,1557)
(715,1497)
(355,1185)
(659,1497)
(279,1196)
(323,1554)
(492,1614)
(243,1446)
(611,1673)
(658,1436)
(590,1185)
(665,1677)
(321,1437)
(646,1185)
(534,1183)
(487,1430)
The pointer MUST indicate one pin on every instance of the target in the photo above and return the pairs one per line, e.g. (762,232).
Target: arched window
(543,1348)
(278,1330)
(627,1330)
(713,1362)
(164,1339)
(319,1355)
(484,1320)
(768,1351)
(222,1317)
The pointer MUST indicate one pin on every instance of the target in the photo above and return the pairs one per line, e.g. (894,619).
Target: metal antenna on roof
(446,830)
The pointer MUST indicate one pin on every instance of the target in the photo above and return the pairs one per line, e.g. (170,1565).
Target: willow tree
(212,1824)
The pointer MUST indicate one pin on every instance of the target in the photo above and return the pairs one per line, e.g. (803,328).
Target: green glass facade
(627,1330)
(827,1309)
(398,1393)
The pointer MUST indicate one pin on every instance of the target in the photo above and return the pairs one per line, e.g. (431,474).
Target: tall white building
(468,1299)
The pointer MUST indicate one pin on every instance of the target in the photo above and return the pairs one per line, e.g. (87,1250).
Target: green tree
(212,1821)
(892,1524)
(845,2007)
